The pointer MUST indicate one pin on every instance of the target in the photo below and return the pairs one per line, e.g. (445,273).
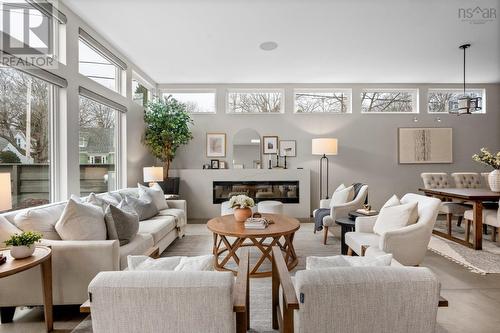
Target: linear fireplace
(284,191)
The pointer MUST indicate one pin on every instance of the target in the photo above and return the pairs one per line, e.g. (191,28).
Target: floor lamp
(324,147)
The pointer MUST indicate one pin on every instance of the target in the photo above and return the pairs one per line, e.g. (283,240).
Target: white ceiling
(341,41)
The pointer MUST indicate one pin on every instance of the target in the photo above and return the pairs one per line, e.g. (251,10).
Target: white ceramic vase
(494,180)
(20,252)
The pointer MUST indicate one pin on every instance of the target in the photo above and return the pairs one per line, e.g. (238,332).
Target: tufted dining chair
(439,180)
(467,179)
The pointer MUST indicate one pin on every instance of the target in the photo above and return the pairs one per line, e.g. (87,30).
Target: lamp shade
(324,146)
(5,192)
(153,174)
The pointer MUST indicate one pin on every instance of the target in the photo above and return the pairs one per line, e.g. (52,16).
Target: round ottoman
(270,207)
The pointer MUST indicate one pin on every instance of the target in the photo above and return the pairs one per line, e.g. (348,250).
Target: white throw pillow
(342,195)
(81,221)
(42,220)
(156,193)
(7,229)
(145,263)
(395,216)
(347,261)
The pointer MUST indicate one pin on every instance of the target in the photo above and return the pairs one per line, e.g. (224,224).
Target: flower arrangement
(485,157)
(26,238)
(241,201)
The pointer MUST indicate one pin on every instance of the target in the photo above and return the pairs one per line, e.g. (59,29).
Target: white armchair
(341,210)
(408,245)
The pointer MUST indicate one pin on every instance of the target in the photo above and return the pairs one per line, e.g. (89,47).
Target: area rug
(198,241)
(485,261)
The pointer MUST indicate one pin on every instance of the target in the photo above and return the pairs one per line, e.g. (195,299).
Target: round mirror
(246,149)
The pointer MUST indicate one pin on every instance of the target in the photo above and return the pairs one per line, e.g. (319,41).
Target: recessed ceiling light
(268,46)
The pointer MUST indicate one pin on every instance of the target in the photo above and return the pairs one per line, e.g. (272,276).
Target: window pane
(140,94)
(439,99)
(255,101)
(308,101)
(396,101)
(97,143)
(196,102)
(24,136)
(96,67)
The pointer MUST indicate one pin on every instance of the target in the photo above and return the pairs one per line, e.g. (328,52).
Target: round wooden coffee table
(280,233)
(43,257)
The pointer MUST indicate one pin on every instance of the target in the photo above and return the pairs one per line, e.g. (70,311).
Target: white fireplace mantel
(196,188)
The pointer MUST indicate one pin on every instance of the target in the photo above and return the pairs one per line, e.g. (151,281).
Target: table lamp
(152,175)
(5,192)
(324,147)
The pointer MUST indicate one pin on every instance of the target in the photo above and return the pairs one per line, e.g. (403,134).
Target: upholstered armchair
(354,299)
(408,245)
(341,210)
(441,180)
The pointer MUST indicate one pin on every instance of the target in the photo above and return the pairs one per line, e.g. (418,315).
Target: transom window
(260,101)
(140,94)
(439,100)
(389,101)
(197,101)
(322,100)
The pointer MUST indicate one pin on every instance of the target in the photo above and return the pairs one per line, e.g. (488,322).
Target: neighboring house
(7,146)
(97,146)
(20,139)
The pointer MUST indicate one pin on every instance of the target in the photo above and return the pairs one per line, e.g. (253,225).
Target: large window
(99,64)
(197,101)
(439,100)
(255,101)
(25,146)
(322,100)
(98,147)
(389,101)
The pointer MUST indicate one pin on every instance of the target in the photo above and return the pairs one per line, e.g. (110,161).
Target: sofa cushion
(342,195)
(81,221)
(158,227)
(395,217)
(138,246)
(103,201)
(7,229)
(144,206)
(122,222)
(156,193)
(356,239)
(197,263)
(313,262)
(42,220)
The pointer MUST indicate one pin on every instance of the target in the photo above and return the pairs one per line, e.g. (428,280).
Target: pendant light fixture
(465,104)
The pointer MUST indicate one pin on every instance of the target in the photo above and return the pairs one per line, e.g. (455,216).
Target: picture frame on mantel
(288,148)
(270,145)
(216,145)
(425,145)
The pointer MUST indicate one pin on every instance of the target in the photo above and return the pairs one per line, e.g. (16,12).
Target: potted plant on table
(492,160)
(242,206)
(167,128)
(23,245)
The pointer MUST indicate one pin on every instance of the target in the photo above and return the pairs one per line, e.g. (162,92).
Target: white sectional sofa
(76,263)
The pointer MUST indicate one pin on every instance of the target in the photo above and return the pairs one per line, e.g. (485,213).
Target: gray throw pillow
(122,222)
(144,206)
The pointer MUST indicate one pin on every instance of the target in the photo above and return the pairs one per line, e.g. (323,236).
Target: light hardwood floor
(474,300)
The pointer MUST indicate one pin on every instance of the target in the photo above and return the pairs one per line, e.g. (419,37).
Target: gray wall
(367,143)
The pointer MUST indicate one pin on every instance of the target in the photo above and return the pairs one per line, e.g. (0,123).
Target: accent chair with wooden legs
(491,217)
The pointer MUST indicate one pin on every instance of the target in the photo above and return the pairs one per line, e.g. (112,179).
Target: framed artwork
(216,144)
(270,144)
(222,164)
(214,164)
(425,145)
(288,148)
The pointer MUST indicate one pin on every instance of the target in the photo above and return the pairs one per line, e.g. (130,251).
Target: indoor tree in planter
(167,128)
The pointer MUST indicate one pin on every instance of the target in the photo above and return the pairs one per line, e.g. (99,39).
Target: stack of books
(256,223)
(366,211)
(3,258)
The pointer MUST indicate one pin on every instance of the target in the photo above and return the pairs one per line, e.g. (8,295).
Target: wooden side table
(43,257)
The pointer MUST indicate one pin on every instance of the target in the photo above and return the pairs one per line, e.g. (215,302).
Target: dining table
(477,196)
